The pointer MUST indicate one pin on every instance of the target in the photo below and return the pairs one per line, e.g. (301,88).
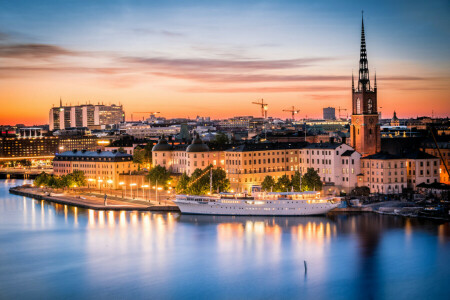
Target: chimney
(331,139)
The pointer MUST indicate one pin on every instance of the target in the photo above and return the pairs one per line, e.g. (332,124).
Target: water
(50,251)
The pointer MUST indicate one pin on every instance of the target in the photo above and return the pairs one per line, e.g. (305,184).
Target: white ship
(259,204)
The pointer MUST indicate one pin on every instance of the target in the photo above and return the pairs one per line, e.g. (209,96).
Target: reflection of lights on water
(42,212)
(111,222)
(65,213)
(101,219)
(228,231)
(122,219)
(91,218)
(75,215)
(134,219)
(313,232)
(408,228)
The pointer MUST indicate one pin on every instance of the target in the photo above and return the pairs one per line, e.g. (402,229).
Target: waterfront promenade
(93,201)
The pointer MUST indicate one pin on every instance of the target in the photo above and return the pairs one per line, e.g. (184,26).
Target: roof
(197,145)
(162,145)
(348,153)
(418,155)
(266,146)
(383,156)
(323,146)
(76,155)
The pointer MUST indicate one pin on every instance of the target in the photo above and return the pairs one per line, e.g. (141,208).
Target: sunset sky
(189,58)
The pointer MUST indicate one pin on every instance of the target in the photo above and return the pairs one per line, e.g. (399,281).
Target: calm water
(52,251)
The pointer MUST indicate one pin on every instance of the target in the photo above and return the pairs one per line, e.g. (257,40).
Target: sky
(214,58)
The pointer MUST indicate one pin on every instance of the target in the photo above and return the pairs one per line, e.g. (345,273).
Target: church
(365,128)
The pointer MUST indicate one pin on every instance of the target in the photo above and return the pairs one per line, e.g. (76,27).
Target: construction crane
(263,107)
(293,111)
(153,113)
(339,112)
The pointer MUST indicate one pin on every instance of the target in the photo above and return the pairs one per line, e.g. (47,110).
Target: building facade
(384,173)
(365,128)
(88,115)
(422,168)
(329,113)
(101,168)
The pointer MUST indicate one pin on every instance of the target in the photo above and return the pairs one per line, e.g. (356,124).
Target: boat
(258,204)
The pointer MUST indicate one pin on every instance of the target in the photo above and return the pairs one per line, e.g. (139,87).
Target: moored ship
(259,204)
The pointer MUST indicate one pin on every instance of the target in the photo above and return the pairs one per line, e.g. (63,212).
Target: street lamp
(110,182)
(100,184)
(143,193)
(121,185)
(90,180)
(131,185)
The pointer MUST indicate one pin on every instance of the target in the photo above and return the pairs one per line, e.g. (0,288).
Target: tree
(121,150)
(221,138)
(268,183)
(42,179)
(360,191)
(199,182)
(220,182)
(295,181)
(78,178)
(311,181)
(283,184)
(182,184)
(138,156)
(159,175)
(148,153)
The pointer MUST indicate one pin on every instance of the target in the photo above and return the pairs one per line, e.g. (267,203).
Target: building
(30,147)
(141,131)
(101,168)
(421,168)
(329,113)
(91,116)
(248,164)
(365,129)
(337,164)
(384,173)
(67,143)
(395,121)
(185,159)
(444,150)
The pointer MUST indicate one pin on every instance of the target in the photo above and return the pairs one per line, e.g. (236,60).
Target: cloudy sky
(188,58)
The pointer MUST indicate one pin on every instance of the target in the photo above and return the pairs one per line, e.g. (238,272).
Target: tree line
(310,181)
(74,179)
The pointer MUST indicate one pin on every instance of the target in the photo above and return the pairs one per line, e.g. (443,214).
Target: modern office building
(329,113)
(91,116)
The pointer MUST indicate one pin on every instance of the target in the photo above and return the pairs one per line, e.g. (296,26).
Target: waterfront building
(421,168)
(337,164)
(329,113)
(30,147)
(101,168)
(67,143)
(444,150)
(384,173)
(365,127)
(88,115)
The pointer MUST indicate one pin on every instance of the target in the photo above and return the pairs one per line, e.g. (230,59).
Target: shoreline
(21,191)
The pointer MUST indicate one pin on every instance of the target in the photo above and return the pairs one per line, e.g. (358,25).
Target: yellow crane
(263,107)
(293,111)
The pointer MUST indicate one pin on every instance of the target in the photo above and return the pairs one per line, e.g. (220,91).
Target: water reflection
(54,249)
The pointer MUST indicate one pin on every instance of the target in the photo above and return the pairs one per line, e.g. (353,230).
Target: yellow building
(101,168)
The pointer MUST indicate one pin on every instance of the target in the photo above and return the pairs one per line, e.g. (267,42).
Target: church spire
(375,84)
(363,82)
(353,82)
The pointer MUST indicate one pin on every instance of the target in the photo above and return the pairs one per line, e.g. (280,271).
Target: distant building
(329,113)
(395,121)
(444,150)
(421,168)
(142,131)
(22,148)
(101,168)
(88,115)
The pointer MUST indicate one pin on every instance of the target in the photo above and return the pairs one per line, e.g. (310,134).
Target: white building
(337,164)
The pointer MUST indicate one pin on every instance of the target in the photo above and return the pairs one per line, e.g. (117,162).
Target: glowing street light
(121,185)
(100,184)
(131,185)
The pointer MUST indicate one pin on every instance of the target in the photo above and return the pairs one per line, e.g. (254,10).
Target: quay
(91,202)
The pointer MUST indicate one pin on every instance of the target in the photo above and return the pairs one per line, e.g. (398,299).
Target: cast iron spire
(363,82)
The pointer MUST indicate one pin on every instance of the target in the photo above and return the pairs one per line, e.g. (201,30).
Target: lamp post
(131,186)
(100,184)
(90,180)
(143,191)
(110,182)
(121,184)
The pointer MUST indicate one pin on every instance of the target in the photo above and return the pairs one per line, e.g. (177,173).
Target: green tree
(42,179)
(221,138)
(148,153)
(78,178)
(199,182)
(138,156)
(121,150)
(283,184)
(220,182)
(268,183)
(160,175)
(182,184)
(295,181)
(311,181)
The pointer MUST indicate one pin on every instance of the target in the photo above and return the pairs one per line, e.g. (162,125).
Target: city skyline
(196,58)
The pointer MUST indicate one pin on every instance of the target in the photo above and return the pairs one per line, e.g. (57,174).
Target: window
(369,106)
(358,106)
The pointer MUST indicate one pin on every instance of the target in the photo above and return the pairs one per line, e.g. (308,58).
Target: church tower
(365,129)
